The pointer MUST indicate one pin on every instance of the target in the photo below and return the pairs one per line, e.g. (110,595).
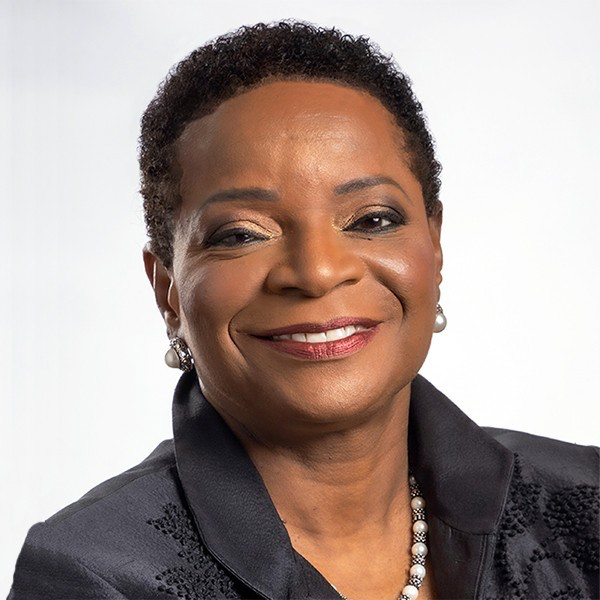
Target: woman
(291,197)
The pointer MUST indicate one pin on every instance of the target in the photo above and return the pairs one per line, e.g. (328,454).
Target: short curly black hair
(244,59)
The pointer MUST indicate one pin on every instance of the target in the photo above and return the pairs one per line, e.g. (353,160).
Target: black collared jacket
(510,515)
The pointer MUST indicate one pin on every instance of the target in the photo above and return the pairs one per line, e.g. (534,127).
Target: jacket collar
(236,518)
(464,475)
(463,472)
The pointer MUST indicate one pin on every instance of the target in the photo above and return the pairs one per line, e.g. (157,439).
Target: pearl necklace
(419,548)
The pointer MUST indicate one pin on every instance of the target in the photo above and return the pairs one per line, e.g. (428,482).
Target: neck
(347,484)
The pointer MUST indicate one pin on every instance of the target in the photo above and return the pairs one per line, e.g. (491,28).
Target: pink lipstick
(322,341)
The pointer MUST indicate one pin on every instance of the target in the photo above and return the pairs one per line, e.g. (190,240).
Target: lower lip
(323,350)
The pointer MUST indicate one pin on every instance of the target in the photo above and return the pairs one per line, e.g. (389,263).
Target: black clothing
(510,515)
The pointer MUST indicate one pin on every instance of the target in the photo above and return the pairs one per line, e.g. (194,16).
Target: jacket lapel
(465,475)
(230,504)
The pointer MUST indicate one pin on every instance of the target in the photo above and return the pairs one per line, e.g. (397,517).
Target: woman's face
(300,214)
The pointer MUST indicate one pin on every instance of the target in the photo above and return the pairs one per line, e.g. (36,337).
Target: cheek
(408,271)
(212,294)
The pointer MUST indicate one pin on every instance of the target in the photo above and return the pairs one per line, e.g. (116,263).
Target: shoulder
(106,544)
(553,462)
(547,537)
(156,471)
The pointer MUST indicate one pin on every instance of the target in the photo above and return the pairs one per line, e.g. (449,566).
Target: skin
(329,437)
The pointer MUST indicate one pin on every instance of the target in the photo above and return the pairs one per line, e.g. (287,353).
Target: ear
(435,231)
(165,290)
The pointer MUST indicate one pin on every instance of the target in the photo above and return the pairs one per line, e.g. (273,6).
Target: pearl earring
(440,320)
(178,356)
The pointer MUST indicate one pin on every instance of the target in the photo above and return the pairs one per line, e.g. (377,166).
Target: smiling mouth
(319,341)
(329,335)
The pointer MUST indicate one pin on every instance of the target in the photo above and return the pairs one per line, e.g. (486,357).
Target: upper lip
(319,327)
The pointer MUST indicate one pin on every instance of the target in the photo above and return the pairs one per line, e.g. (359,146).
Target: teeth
(337,334)
(330,335)
(315,338)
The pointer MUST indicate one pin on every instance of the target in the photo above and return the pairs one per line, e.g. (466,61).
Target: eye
(377,221)
(235,237)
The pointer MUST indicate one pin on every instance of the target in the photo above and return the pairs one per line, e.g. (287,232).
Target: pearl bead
(440,321)
(417,502)
(412,480)
(420,527)
(419,549)
(410,591)
(172,359)
(418,571)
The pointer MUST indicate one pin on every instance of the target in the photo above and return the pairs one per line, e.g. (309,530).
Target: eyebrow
(255,193)
(251,193)
(362,183)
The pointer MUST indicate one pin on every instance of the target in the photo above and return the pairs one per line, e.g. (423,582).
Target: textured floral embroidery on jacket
(203,578)
(547,542)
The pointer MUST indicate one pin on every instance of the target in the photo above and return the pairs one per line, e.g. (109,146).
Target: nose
(314,263)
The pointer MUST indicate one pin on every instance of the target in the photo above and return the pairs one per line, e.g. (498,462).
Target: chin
(329,403)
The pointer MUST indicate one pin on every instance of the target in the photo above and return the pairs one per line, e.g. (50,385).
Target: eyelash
(219,238)
(396,220)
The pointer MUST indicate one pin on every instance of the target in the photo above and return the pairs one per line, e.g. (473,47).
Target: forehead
(280,126)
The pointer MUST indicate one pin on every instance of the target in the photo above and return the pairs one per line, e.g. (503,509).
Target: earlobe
(165,289)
